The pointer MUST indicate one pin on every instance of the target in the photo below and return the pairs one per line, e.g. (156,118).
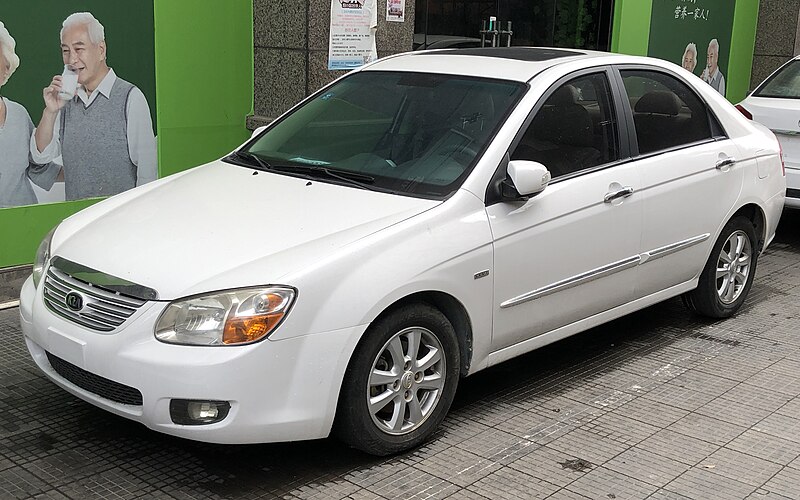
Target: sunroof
(518,53)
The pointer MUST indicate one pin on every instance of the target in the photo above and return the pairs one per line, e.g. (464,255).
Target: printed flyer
(352,38)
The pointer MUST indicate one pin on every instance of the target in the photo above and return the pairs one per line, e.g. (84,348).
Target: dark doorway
(581,24)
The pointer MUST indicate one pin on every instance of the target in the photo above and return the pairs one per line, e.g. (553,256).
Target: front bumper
(283,390)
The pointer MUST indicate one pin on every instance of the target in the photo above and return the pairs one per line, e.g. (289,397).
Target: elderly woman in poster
(16,129)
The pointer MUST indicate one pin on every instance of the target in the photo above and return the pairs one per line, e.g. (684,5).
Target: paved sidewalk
(658,405)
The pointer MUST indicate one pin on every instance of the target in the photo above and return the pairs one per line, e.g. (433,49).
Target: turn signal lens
(225,318)
(744,111)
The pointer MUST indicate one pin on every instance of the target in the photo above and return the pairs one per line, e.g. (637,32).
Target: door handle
(726,162)
(615,195)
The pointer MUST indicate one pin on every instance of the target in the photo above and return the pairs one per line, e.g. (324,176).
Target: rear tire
(728,275)
(400,381)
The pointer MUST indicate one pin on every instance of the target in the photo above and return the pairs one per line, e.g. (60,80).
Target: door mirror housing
(529,177)
(258,130)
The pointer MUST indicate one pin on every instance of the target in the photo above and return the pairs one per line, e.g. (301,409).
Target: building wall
(777,37)
(291,50)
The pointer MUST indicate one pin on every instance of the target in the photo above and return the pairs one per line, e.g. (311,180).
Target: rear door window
(666,112)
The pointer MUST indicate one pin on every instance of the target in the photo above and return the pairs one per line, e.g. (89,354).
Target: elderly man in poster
(104,133)
(712,74)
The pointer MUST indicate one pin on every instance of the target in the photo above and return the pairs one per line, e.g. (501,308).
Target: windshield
(407,133)
(784,83)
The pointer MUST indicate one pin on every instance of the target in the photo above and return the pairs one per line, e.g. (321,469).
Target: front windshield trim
(425,190)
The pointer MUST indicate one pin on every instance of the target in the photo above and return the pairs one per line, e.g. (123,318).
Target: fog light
(193,412)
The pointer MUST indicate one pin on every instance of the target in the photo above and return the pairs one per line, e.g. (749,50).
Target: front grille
(95,384)
(102,310)
(793,193)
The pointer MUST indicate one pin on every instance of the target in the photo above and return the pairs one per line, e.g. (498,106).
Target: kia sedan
(776,104)
(414,222)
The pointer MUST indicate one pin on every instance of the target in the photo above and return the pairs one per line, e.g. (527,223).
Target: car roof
(508,63)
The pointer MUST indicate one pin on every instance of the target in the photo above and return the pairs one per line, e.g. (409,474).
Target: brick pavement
(658,405)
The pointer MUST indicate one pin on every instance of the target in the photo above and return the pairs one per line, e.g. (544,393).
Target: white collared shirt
(141,141)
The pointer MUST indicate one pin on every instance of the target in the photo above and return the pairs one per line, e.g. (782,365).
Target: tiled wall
(291,50)
(776,37)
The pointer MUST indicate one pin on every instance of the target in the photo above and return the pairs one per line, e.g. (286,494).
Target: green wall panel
(631,35)
(203,86)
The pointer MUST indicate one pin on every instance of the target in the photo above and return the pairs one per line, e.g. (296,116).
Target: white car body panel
(353,253)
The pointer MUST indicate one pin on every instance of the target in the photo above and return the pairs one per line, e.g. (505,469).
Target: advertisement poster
(396,10)
(352,38)
(695,34)
(77,105)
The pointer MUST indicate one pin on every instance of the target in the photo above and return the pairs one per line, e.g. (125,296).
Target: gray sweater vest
(94,145)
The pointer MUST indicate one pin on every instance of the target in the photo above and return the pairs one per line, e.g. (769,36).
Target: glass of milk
(69,83)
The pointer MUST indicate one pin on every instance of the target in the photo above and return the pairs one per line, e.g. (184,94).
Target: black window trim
(718,132)
(755,92)
(491,194)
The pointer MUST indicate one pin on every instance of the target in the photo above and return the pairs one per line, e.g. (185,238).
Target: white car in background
(776,104)
(418,220)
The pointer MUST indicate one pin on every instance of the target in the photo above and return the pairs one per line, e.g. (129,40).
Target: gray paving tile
(780,426)
(566,495)
(790,409)
(646,466)
(739,365)
(552,466)
(733,412)
(511,484)
(409,482)
(766,446)
(585,445)
(707,428)
(681,397)
(668,495)
(741,467)
(776,380)
(766,495)
(16,483)
(621,429)
(605,483)
(497,446)
(684,449)
(698,483)
(757,396)
(785,482)
(651,412)
(458,466)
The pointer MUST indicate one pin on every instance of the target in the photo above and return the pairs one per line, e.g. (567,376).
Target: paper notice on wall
(396,10)
(352,39)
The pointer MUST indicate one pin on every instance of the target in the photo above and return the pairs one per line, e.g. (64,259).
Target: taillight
(783,165)
(743,111)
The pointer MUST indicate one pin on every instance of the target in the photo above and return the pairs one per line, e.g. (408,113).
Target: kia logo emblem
(74,301)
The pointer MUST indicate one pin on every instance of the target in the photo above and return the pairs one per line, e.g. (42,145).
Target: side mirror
(258,131)
(529,177)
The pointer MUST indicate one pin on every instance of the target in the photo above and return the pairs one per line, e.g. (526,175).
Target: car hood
(223,226)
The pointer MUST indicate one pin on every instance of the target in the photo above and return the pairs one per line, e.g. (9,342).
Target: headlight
(42,256)
(225,318)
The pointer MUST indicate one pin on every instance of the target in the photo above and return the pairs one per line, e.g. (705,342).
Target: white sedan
(776,104)
(416,221)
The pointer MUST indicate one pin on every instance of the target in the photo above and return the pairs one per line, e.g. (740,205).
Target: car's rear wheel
(400,382)
(728,274)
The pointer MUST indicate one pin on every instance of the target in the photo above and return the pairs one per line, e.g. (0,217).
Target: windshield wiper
(251,159)
(354,178)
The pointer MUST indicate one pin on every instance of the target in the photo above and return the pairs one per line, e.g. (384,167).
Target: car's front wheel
(728,274)
(400,382)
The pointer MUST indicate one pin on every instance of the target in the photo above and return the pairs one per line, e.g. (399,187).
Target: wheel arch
(755,214)
(454,311)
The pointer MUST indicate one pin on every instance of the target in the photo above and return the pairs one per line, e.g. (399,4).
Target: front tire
(400,382)
(728,275)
